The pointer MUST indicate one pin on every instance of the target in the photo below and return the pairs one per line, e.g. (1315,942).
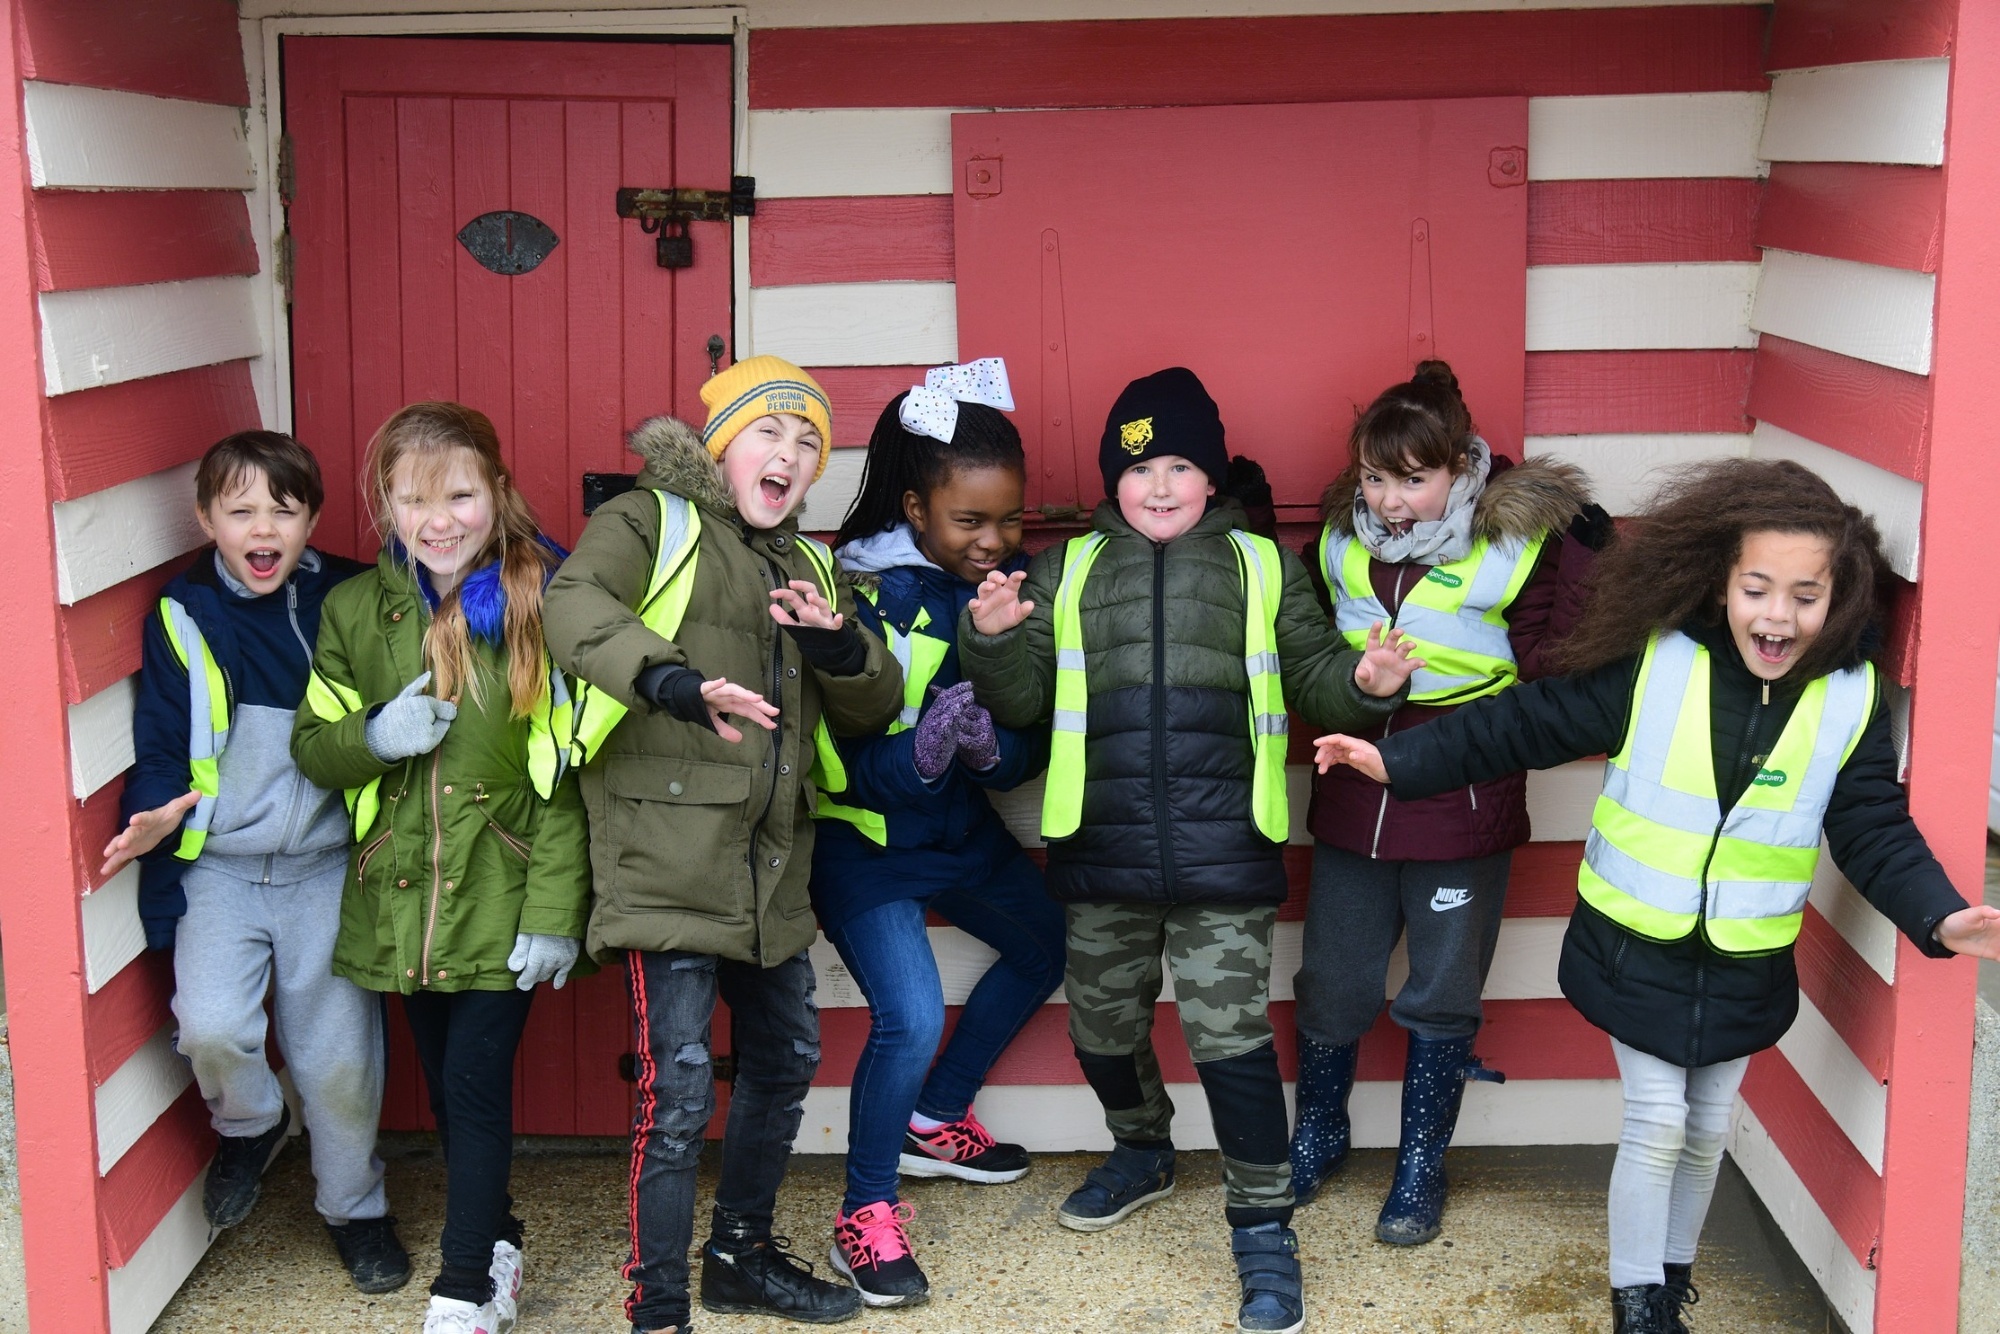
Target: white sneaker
(449,1316)
(506,1273)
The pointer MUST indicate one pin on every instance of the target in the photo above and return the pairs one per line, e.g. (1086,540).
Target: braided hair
(900,460)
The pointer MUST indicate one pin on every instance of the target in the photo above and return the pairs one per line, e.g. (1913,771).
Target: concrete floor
(1523,1253)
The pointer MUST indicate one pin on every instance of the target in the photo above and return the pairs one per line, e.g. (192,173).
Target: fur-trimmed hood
(677,461)
(1520,501)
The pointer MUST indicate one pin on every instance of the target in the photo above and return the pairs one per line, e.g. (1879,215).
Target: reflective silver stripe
(676,513)
(1496,571)
(1666,685)
(904,651)
(1655,888)
(1262,664)
(1070,720)
(204,742)
(1069,659)
(1355,610)
(1691,814)
(1273,724)
(1753,899)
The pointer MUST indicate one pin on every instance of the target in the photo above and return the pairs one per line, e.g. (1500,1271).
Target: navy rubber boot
(1434,1076)
(1267,1266)
(1319,1145)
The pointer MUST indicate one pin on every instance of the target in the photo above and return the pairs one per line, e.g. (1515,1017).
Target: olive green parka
(464,853)
(698,843)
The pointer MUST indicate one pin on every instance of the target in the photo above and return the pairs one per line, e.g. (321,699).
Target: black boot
(747,1271)
(1640,1309)
(1434,1076)
(238,1170)
(1319,1145)
(1681,1292)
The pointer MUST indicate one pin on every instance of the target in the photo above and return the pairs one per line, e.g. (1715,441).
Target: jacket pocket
(676,781)
(367,855)
(518,846)
(680,836)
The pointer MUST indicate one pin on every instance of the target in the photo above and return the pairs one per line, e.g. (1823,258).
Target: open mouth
(773,488)
(1773,649)
(1397,527)
(443,546)
(263,562)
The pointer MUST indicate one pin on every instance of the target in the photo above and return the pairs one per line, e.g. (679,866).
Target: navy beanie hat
(1167,412)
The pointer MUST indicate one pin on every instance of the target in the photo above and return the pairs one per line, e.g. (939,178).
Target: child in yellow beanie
(691,602)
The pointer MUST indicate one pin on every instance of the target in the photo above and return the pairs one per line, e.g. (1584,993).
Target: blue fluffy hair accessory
(481,595)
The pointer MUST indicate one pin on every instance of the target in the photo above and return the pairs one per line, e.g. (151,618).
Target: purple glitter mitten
(936,740)
(978,746)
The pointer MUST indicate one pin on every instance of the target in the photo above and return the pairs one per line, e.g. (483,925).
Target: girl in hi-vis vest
(913,832)
(1723,664)
(1482,564)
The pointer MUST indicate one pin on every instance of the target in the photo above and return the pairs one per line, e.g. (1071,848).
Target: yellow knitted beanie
(757,388)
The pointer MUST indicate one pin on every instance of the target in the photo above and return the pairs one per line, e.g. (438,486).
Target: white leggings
(1668,1155)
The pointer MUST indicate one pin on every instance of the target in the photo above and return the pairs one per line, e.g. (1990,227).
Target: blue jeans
(890,957)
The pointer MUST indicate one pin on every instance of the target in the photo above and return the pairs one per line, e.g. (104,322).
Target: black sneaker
(231,1191)
(963,1149)
(765,1278)
(1127,1179)
(372,1252)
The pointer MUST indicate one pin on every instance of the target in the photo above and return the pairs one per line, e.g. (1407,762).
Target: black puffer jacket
(1167,772)
(1683,1001)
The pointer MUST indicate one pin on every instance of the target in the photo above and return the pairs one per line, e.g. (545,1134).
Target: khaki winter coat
(696,843)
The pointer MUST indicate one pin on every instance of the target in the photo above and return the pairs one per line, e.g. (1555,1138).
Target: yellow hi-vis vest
(1456,613)
(549,724)
(920,656)
(661,610)
(208,722)
(1258,566)
(1661,857)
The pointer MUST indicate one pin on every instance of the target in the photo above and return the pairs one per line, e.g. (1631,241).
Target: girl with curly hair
(1724,663)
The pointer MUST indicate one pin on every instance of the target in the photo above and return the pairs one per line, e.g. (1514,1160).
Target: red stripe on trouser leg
(642,1117)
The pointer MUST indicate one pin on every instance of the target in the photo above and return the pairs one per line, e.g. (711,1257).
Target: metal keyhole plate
(508,242)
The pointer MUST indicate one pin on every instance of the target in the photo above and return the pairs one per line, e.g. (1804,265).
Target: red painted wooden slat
(1196,62)
(1864,211)
(1585,393)
(538,169)
(85,238)
(169,48)
(1852,996)
(1642,222)
(1899,653)
(125,1012)
(100,635)
(427,222)
(101,437)
(96,823)
(858,394)
(1877,414)
(1839,1179)
(1806,34)
(887,238)
(154,1173)
(482,301)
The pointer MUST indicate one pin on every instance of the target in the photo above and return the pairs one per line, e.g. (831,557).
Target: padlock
(676,249)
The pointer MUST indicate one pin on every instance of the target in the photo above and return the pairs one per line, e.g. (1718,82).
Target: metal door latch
(667,213)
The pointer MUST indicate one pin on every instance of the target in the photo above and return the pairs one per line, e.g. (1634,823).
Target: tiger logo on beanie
(1134,436)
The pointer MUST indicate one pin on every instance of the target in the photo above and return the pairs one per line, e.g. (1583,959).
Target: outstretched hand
(1386,662)
(997,607)
(1349,750)
(724,699)
(1974,931)
(144,832)
(800,605)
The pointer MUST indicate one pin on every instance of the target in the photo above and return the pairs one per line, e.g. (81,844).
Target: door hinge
(667,213)
(283,263)
(286,171)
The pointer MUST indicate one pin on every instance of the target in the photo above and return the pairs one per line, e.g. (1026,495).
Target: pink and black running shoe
(963,1149)
(871,1249)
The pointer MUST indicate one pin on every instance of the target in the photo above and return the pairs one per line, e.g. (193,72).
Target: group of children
(703,736)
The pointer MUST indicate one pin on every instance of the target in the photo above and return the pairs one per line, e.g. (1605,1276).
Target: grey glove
(541,959)
(410,724)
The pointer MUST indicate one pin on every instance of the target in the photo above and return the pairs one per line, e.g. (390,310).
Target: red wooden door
(396,144)
(1299,258)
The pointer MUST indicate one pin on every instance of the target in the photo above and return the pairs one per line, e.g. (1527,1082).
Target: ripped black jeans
(774,1037)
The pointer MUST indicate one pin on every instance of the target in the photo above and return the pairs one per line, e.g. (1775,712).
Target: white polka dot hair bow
(931,408)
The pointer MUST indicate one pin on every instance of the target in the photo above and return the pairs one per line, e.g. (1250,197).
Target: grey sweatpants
(240,939)
(1359,905)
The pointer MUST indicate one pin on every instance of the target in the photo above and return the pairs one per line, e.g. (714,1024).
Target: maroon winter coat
(1355,813)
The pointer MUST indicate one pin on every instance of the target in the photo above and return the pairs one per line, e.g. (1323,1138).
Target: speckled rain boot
(1434,1076)
(1319,1145)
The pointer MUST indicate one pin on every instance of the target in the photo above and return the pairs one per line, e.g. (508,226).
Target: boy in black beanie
(1156,643)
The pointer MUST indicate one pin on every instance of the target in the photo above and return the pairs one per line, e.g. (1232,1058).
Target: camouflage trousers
(1220,958)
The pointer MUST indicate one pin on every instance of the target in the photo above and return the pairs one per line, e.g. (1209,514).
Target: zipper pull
(1767,692)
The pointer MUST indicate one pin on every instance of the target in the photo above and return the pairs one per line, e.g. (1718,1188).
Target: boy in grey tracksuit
(242,859)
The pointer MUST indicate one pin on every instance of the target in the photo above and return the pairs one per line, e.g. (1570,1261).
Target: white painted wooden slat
(108,335)
(100,737)
(1642,136)
(857,324)
(1592,307)
(1871,934)
(876,13)
(100,139)
(1895,503)
(1625,470)
(108,536)
(142,1287)
(1855,1099)
(1869,311)
(866,151)
(833,494)
(1881,111)
(1849,1288)
(112,934)
(132,1098)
